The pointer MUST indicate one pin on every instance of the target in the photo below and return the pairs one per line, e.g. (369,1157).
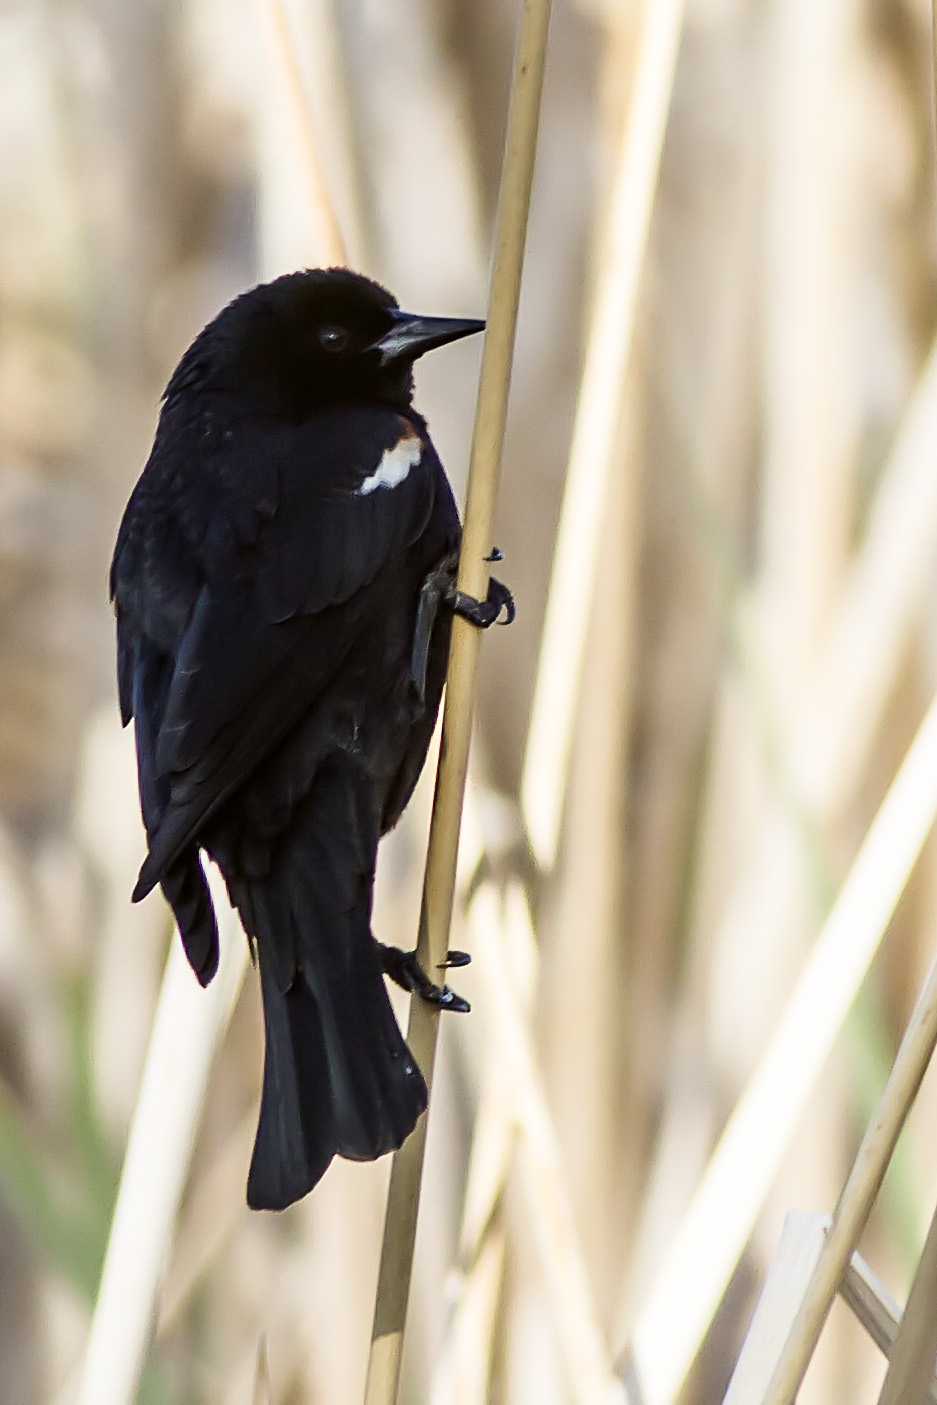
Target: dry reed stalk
(583,987)
(212,1207)
(883,598)
(807,489)
(581,1343)
(501,933)
(794,1261)
(623,240)
(323,231)
(844,701)
(864,1181)
(872,1305)
(687,1289)
(434,252)
(811,422)
(572,581)
(484,472)
(696,409)
(882,602)
(806,486)
(187,1027)
(263,1390)
(476,1282)
(910,1374)
(462,1373)
(433,245)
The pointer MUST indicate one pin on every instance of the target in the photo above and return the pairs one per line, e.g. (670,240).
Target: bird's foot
(484,613)
(405,971)
(440,586)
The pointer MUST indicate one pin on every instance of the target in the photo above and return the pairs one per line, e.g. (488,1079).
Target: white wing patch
(394,466)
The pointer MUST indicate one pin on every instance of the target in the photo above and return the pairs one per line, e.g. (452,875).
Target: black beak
(412,335)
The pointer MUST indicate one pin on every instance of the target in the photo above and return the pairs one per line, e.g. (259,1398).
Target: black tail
(328,1089)
(338,1076)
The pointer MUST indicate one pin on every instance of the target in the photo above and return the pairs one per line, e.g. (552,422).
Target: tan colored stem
(910,1376)
(484,474)
(326,235)
(187,1029)
(595,434)
(860,1191)
(637,147)
(911,1369)
(856,1202)
(694,1275)
(582,1347)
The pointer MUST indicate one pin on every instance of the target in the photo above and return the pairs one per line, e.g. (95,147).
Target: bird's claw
(484,613)
(445,998)
(405,970)
(454,958)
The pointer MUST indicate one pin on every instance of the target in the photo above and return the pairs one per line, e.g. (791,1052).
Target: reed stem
(484,476)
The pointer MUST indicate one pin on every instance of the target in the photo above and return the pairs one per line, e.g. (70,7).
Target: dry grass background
(762,645)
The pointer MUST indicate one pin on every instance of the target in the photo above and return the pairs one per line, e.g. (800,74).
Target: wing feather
(249,582)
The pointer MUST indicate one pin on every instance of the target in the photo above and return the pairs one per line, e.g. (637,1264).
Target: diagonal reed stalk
(832,736)
(911,1371)
(690,1284)
(910,1375)
(187,1029)
(325,233)
(912,1362)
(484,473)
(189,1023)
(865,1178)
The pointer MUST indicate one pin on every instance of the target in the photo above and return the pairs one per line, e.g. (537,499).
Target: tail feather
(326,1090)
(338,1076)
(377,1089)
(186,890)
(296,1133)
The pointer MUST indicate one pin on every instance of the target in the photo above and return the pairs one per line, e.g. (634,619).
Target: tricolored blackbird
(284,582)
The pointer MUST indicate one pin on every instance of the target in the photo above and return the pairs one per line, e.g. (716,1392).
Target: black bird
(283,584)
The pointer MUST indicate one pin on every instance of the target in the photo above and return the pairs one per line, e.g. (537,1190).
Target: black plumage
(276,582)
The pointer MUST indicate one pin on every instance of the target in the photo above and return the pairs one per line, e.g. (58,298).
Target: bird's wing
(252,573)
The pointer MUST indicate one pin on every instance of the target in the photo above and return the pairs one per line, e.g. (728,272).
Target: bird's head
(319,337)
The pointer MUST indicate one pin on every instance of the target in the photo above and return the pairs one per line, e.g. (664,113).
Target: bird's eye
(333,339)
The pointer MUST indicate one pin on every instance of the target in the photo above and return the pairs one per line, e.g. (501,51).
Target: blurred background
(762,642)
